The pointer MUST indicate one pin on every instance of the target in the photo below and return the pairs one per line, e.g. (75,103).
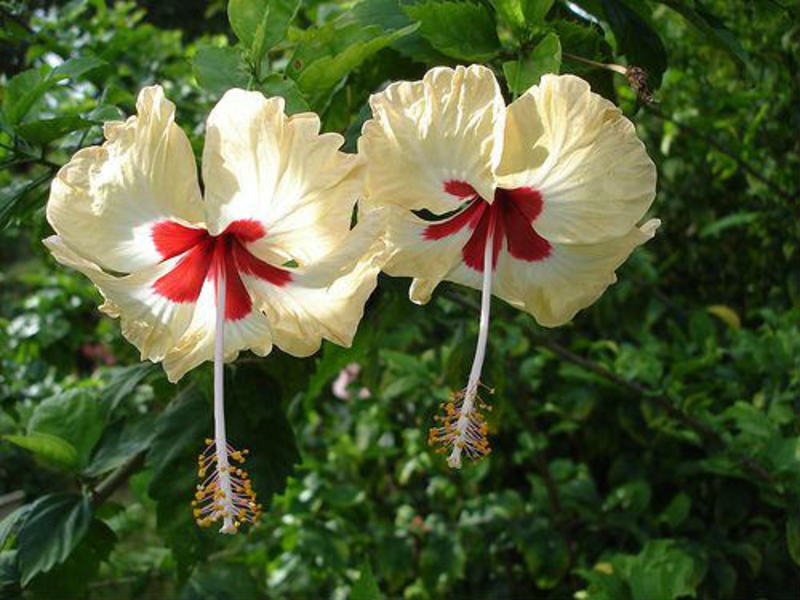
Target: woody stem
(220,441)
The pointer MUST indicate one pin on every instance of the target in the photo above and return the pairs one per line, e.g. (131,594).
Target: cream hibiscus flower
(267,258)
(548,191)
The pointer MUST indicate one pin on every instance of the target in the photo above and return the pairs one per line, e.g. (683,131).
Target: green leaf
(52,449)
(544,58)
(46,130)
(9,574)
(75,416)
(331,53)
(71,578)
(510,12)
(13,195)
(123,383)
(180,433)
(535,10)
(55,525)
(121,442)
(76,67)
(261,24)
(389,15)
(10,522)
(661,571)
(677,510)
(220,69)
(366,587)
(21,93)
(636,39)
(276,85)
(463,30)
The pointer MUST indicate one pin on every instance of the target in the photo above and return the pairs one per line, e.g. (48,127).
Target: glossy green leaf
(275,85)
(535,11)
(52,449)
(44,131)
(462,30)
(9,574)
(261,24)
(72,578)
(219,69)
(22,91)
(121,442)
(389,15)
(75,68)
(11,522)
(53,528)
(75,416)
(346,48)
(527,71)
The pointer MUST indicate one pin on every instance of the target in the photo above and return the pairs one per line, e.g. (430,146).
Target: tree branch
(662,400)
(110,484)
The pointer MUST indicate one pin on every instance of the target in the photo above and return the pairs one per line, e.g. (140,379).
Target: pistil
(226,492)
(463,428)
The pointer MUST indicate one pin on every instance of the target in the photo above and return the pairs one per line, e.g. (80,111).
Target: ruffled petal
(569,279)
(432,141)
(196,345)
(325,300)
(259,164)
(582,155)
(428,251)
(106,200)
(149,321)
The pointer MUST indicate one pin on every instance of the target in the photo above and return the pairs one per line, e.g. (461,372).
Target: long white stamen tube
(220,440)
(454,459)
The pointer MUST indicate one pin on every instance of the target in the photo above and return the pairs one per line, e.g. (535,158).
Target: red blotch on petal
(245,230)
(206,257)
(252,265)
(510,217)
(458,188)
(468,216)
(185,281)
(172,238)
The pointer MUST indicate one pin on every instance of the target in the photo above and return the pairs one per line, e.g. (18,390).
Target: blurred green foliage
(650,450)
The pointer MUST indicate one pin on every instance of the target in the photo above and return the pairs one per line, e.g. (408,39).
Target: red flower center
(205,256)
(509,218)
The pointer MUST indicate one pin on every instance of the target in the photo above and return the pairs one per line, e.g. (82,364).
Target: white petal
(447,127)
(104,202)
(583,156)
(326,299)
(424,259)
(260,164)
(149,321)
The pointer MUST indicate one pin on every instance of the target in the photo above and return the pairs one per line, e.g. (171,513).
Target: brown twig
(662,400)
(110,484)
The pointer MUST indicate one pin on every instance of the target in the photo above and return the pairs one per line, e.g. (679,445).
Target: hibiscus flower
(537,202)
(266,256)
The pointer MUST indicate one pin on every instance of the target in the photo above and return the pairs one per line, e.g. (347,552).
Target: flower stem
(220,441)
